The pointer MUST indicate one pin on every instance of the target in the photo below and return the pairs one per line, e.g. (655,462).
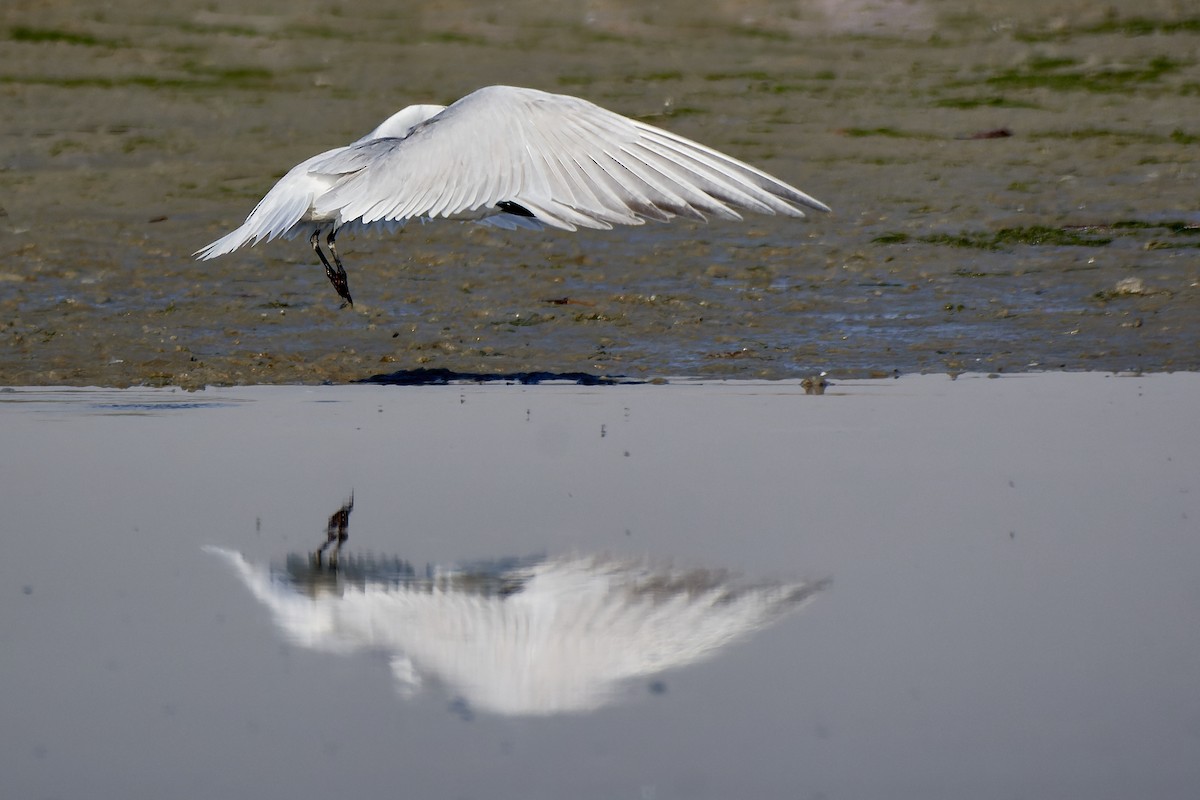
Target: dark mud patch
(445,377)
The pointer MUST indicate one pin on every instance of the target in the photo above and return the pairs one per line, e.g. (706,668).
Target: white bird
(507,157)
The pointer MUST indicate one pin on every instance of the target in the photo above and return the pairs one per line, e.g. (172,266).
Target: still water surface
(915,588)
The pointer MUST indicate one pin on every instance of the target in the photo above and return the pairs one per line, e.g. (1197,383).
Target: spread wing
(568,162)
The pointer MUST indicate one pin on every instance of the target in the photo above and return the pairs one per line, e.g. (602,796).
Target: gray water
(914,588)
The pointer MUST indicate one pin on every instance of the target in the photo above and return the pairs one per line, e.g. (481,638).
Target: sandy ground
(135,133)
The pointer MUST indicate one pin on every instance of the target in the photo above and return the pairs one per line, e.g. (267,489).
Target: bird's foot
(336,276)
(340,283)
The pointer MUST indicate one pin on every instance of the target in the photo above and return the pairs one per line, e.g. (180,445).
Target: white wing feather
(287,209)
(568,162)
(288,203)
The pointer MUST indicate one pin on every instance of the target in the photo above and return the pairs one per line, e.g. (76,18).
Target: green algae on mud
(137,135)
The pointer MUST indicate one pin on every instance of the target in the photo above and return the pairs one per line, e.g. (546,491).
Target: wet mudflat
(1014,186)
(915,588)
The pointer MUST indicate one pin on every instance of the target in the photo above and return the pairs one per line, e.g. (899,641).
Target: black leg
(336,276)
(341,271)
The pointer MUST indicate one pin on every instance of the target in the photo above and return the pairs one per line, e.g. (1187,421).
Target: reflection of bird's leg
(336,276)
(336,533)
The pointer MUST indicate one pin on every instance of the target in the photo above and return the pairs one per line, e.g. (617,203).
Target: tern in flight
(510,158)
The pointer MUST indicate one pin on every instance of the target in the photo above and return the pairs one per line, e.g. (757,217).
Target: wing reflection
(522,636)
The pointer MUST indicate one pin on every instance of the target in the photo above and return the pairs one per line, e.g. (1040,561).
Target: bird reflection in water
(519,636)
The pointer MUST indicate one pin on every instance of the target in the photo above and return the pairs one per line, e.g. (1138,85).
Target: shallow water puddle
(919,587)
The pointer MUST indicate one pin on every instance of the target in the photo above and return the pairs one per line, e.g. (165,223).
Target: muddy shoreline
(1014,188)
